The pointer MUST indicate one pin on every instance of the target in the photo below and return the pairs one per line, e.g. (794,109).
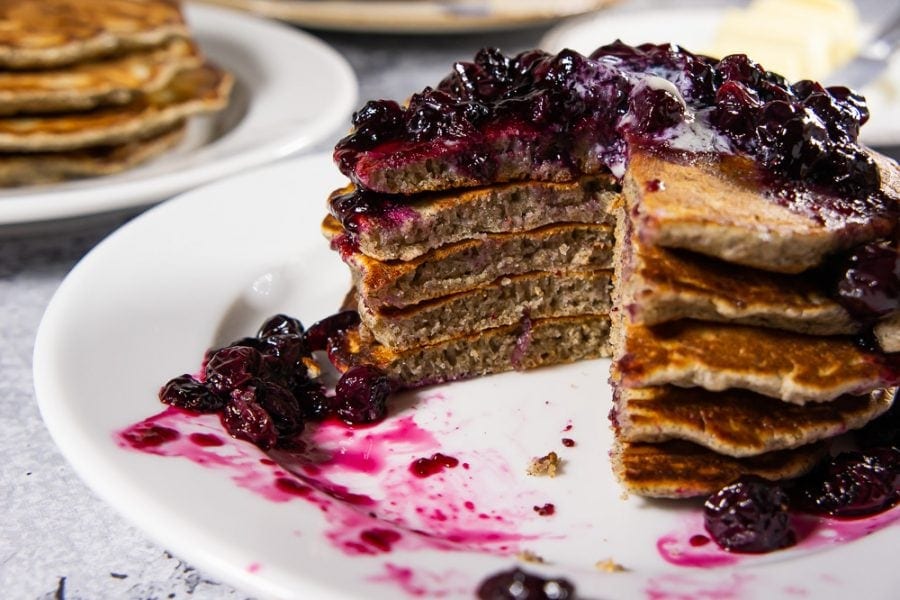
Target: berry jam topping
(568,442)
(263,390)
(517,584)
(426,467)
(868,283)
(750,515)
(883,431)
(585,106)
(852,484)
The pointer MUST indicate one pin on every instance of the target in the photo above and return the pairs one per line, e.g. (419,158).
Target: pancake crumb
(548,465)
(530,557)
(609,566)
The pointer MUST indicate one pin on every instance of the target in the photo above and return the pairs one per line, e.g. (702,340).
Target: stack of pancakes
(92,87)
(453,283)
(732,352)
(730,356)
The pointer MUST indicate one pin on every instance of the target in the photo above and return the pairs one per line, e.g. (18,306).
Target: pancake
(501,302)
(789,366)
(717,206)
(50,167)
(683,470)
(53,33)
(190,92)
(659,285)
(115,80)
(464,265)
(736,422)
(525,345)
(389,227)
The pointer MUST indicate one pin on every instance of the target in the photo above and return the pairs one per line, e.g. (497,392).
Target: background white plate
(695,28)
(420,16)
(208,267)
(291,91)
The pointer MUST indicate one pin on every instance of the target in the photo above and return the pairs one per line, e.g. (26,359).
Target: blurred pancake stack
(94,87)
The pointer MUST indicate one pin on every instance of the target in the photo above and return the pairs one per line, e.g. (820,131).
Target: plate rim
(94,196)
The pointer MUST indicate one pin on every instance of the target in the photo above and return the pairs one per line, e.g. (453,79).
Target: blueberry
(188,393)
(245,419)
(319,333)
(852,484)
(361,395)
(231,367)
(749,515)
(517,584)
(280,325)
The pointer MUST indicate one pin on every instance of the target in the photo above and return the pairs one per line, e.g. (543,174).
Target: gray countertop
(57,540)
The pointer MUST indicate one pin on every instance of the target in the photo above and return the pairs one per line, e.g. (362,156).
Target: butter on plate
(800,39)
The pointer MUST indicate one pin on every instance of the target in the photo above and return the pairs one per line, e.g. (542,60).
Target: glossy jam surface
(580,111)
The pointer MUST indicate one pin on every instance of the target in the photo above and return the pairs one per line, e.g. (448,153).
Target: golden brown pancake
(467,264)
(737,422)
(539,294)
(525,345)
(115,80)
(715,206)
(190,92)
(682,470)
(52,33)
(660,284)
(789,366)
(49,167)
(403,229)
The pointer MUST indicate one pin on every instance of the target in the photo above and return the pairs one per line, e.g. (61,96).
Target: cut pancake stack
(457,283)
(93,87)
(730,356)
(484,243)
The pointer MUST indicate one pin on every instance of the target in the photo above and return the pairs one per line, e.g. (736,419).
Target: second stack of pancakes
(92,87)
(462,282)
(731,356)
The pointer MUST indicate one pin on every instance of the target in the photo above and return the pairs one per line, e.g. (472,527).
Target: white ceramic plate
(291,91)
(207,268)
(694,29)
(419,16)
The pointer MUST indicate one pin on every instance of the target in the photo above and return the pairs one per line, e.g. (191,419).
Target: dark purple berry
(282,352)
(361,395)
(319,333)
(749,515)
(280,325)
(231,367)
(517,584)
(282,406)
(852,484)
(654,110)
(314,404)
(869,284)
(188,393)
(245,419)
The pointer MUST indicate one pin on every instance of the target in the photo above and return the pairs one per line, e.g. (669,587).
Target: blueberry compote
(265,388)
(752,514)
(578,113)
(517,584)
